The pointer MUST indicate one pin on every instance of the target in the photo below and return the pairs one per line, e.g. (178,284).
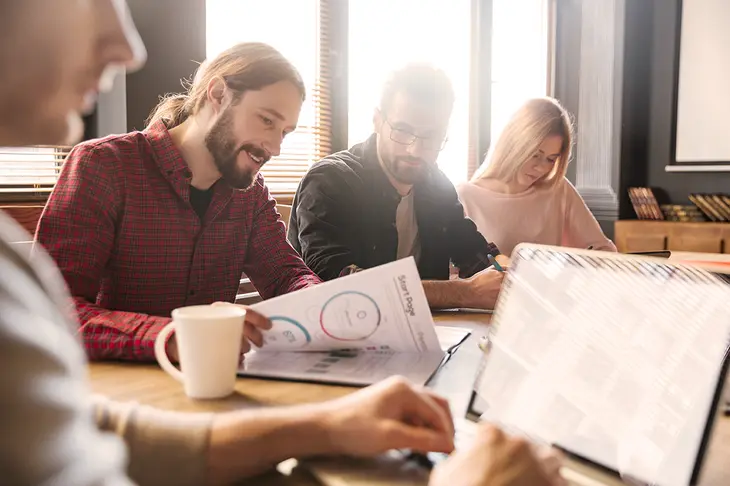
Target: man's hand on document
(484,289)
(497,459)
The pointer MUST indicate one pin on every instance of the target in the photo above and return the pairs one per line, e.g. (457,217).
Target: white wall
(703,110)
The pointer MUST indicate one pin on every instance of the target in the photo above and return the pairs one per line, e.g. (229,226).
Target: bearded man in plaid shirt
(145,222)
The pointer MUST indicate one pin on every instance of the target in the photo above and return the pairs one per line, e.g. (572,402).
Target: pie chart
(286,333)
(350,316)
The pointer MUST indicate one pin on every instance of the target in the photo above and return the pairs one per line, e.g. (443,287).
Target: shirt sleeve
(77,228)
(468,247)
(273,266)
(581,228)
(165,448)
(324,215)
(48,432)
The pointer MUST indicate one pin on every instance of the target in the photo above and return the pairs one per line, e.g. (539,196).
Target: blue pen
(495,263)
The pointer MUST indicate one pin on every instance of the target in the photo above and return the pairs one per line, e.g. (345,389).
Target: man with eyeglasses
(385,199)
(55,55)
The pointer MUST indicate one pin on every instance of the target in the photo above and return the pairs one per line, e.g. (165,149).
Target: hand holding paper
(380,308)
(371,325)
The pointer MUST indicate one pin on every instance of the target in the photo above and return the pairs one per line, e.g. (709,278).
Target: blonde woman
(521,195)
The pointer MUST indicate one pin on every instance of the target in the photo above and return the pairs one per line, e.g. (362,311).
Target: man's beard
(219,142)
(406,174)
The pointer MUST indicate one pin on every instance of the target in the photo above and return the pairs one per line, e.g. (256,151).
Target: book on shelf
(645,203)
(716,207)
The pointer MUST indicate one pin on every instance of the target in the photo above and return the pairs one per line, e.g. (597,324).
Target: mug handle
(161,353)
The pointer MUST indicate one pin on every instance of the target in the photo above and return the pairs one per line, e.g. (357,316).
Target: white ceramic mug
(208,346)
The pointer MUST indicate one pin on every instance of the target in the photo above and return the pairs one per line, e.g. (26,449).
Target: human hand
(483,289)
(503,260)
(496,459)
(392,414)
(252,326)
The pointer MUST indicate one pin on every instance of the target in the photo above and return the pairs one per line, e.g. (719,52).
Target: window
(298,29)
(387,34)
(29,173)
(439,32)
(520,57)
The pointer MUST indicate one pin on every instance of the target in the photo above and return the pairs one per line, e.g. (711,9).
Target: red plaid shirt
(120,226)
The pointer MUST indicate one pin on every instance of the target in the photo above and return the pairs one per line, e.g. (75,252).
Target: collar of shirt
(173,167)
(168,157)
(371,162)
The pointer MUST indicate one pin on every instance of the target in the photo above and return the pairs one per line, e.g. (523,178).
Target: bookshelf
(641,235)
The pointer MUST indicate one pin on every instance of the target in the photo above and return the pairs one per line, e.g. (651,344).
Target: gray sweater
(52,431)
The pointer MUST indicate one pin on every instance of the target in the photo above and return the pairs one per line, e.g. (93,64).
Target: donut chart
(285,332)
(350,316)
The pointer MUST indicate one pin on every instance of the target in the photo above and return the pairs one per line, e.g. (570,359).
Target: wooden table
(148,384)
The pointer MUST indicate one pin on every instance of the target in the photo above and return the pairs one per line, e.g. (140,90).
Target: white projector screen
(703,104)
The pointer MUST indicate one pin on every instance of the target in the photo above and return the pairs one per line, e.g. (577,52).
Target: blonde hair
(536,120)
(243,67)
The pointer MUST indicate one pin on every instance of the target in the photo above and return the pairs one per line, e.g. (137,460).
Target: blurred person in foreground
(55,55)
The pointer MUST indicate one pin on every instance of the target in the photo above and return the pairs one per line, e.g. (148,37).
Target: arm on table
(48,435)
(235,445)
(468,249)
(273,266)
(77,228)
(581,227)
(479,291)
(325,216)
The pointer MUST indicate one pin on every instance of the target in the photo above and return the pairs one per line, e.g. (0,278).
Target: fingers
(422,408)
(503,260)
(399,435)
(254,318)
(253,334)
(245,345)
(552,461)
(490,274)
(252,327)
(443,404)
(415,409)
(257,320)
(490,434)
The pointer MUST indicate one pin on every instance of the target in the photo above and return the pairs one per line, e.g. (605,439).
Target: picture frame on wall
(700,135)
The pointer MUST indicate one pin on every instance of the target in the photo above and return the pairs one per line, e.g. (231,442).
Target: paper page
(354,367)
(351,367)
(611,357)
(450,336)
(380,308)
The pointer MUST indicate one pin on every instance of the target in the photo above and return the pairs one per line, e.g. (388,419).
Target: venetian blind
(301,35)
(29,173)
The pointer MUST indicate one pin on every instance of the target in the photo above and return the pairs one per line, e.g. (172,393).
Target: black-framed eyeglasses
(404,137)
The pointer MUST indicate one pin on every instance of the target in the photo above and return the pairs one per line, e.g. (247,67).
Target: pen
(495,263)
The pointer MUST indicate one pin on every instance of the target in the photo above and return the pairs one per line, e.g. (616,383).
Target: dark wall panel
(635,103)
(662,94)
(174,33)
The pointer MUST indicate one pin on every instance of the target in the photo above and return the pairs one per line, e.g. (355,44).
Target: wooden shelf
(640,235)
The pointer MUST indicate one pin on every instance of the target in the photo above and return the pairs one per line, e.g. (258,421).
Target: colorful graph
(350,316)
(286,332)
